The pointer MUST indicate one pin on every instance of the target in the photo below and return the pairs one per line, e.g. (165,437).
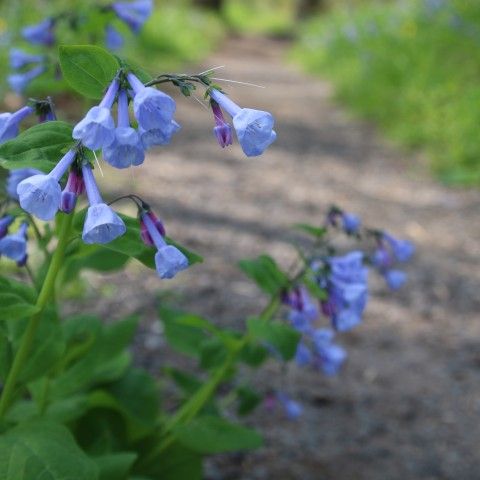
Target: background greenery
(411,66)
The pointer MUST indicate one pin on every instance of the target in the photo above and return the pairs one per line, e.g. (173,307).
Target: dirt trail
(407,405)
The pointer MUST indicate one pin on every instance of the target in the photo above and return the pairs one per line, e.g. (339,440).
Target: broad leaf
(248,400)
(283,338)
(88,69)
(41,147)
(43,451)
(115,466)
(210,434)
(266,274)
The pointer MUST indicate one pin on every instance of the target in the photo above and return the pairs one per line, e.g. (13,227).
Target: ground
(407,404)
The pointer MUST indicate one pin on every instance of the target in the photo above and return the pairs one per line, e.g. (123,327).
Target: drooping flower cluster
(342,280)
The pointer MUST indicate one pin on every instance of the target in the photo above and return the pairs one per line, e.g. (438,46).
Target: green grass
(412,70)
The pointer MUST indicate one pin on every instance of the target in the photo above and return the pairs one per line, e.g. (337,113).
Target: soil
(407,404)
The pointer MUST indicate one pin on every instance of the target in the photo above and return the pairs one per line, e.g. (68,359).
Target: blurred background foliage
(411,66)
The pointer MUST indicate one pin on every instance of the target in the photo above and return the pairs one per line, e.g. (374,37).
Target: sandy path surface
(407,405)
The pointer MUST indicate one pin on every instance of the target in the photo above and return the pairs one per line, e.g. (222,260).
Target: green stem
(44,297)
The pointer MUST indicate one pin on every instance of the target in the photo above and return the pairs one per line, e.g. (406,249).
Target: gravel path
(407,405)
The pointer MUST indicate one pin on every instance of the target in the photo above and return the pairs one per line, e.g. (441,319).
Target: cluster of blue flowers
(28,66)
(344,281)
(122,146)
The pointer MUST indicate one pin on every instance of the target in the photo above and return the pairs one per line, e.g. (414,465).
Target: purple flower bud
(5,222)
(74,187)
(134,14)
(158,136)
(382,258)
(153,109)
(97,129)
(40,33)
(9,123)
(402,249)
(19,58)
(68,201)
(254,128)
(169,260)
(126,149)
(303,310)
(40,194)
(14,246)
(395,279)
(16,176)
(23,261)
(19,81)
(113,38)
(351,223)
(222,130)
(147,239)
(102,224)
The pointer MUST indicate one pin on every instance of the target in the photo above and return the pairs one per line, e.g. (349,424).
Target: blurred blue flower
(395,279)
(134,14)
(14,246)
(351,223)
(403,250)
(40,33)
(5,222)
(18,82)
(330,357)
(19,58)
(10,122)
(293,410)
(113,38)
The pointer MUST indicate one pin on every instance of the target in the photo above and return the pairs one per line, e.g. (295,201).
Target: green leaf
(253,354)
(43,451)
(115,466)
(281,337)
(212,353)
(248,400)
(41,147)
(210,434)
(88,69)
(184,380)
(266,274)
(131,244)
(317,232)
(176,463)
(181,336)
(14,307)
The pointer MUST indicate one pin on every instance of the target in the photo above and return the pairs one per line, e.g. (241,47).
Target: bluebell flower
(222,130)
(395,278)
(347,290)
(97,129)
(158,136)
(330,357)
(75,186)
(18,82)
(113,38)
(303,355)
(134,14)
(126,149)
(254,128)
(14,246)
(16,176)
(10,122)
(351,223)
(40,194)
(293,410)
(153,109)
(303,311)
(5,222)
(19,58)
(169,260)
(402,249)
(102,224)
(40,33)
